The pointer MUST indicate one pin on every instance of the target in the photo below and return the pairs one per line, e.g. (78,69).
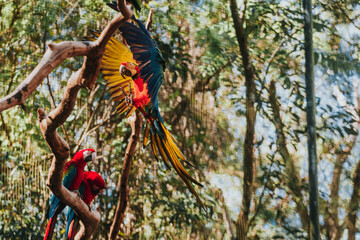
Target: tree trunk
(249,161)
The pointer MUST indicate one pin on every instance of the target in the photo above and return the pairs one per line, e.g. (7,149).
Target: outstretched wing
(115,54)
(147,55)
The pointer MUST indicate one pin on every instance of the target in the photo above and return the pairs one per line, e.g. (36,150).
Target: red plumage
(92,180)
(90,187)
(73,176)
(79,162)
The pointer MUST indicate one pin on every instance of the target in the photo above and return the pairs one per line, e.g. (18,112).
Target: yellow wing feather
(115,54)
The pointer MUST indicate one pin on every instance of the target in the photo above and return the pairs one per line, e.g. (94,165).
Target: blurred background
(203,104)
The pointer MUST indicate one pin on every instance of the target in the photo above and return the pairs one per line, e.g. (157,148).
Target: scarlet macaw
(136,85)
(91,185)
(73,176)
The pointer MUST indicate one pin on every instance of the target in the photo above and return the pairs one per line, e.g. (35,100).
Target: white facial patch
(86,154)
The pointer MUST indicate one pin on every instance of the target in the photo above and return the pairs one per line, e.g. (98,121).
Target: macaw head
(128,69)
(95,181)
(86,155)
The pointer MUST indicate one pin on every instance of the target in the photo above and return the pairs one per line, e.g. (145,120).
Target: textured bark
(135,122)
(249,161)
(292,176)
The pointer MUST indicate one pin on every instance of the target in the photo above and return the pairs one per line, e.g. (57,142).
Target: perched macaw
(91,186)
(134,77)
(73,176)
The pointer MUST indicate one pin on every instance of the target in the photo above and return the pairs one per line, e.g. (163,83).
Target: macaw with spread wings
(134,76)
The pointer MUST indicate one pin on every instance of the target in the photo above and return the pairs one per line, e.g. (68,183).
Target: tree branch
(56,54)
(135,121)
(249,148)
(293,179)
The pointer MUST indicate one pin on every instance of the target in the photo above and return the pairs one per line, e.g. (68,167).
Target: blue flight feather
(71,213)
(147,54)
(67,180)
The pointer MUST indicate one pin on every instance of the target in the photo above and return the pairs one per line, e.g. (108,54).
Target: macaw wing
(147,55)
(68,179)
(115,54)
(69,176)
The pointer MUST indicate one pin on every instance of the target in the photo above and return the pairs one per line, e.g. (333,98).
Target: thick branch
(55,55)
(135,122)
(82,78)
(354,204)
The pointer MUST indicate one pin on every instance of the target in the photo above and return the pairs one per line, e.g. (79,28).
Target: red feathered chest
(141,96)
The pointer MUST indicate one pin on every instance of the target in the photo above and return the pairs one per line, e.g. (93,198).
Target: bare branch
(55,55)
(125,9)
(135,121)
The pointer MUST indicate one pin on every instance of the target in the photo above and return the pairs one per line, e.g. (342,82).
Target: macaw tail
(163,143)
(115,54)
(72,230)
(70,216)
(52,221)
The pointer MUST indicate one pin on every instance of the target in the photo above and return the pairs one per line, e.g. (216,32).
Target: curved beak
(122,70)
(93,157)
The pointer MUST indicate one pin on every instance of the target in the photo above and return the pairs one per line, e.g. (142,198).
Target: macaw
(73,176)
(134,76)
(91,186)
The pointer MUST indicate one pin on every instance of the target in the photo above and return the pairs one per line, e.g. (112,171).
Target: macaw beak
(124,71)
(129,70)
(91,158)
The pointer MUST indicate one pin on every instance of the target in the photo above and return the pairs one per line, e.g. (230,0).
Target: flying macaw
(73,176)
(91,186)
(134,76)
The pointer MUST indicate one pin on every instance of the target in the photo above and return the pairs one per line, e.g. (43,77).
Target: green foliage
(203,103)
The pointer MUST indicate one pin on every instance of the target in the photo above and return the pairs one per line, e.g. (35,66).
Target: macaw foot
(128,97)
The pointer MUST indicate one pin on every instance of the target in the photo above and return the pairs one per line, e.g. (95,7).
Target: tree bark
(249,161)
(135,122)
